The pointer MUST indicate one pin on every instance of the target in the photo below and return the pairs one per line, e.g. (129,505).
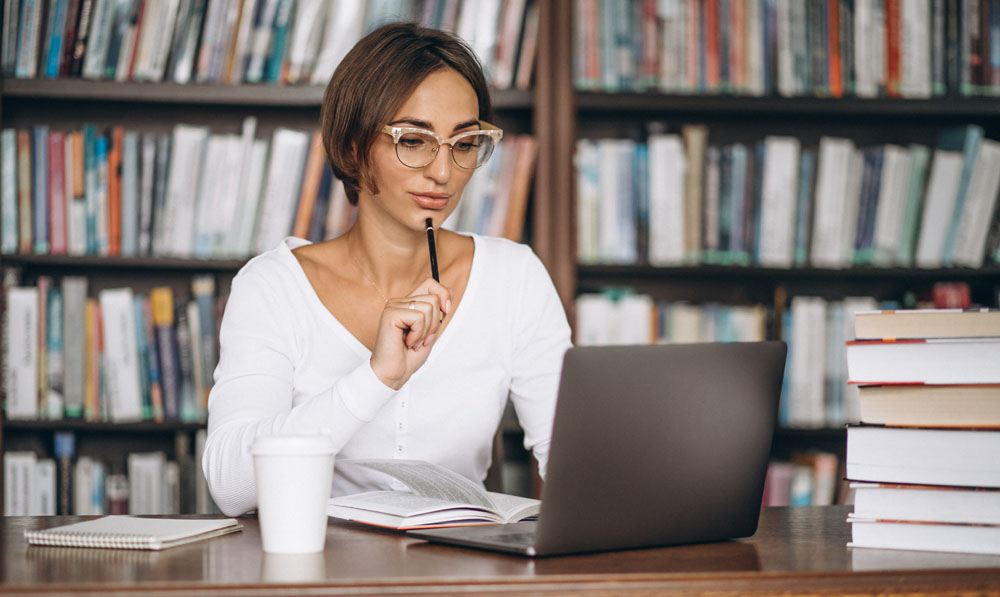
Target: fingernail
(447,306)
(429,339)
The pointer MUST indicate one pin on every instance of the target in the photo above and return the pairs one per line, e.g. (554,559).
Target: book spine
(102,168)
(121,354)
(8,191)
(92,355)
(43,284)
(162,304)
(8,51)
(57,193)
(21,367)
(65,450)
(155,383)
(74,291)
(90,187)
(76,196)
(203,294)
(114,202)
(54,38)
(40,188)
(279,42)
(29,36)
(69,38)
(188,410)
(54,355)
(130,194)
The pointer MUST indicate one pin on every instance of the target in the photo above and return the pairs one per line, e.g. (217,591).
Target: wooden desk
(796,550)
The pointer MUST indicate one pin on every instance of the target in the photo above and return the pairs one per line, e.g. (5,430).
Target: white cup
(293,474)
(293,567)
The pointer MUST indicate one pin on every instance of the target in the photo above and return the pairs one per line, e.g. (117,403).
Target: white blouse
(288,366)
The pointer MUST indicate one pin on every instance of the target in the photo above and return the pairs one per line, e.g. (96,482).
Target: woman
(351,337)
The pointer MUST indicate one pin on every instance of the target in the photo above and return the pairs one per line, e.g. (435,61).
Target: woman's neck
(393,258)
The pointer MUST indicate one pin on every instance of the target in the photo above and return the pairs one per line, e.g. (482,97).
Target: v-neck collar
(350,339)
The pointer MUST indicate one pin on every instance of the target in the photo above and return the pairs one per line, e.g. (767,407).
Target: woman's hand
(407,330)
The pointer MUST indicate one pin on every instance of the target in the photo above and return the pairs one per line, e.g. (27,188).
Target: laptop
(652,445)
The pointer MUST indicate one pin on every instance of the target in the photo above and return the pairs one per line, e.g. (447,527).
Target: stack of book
(925,460)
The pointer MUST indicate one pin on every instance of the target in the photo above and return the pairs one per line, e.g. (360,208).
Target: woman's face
(446,104)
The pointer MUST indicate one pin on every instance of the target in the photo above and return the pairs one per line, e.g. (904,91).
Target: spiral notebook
(130,532)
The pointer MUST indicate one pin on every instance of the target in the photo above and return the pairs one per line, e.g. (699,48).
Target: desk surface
(800,550)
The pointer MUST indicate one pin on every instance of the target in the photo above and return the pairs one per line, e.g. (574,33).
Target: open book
(438,497)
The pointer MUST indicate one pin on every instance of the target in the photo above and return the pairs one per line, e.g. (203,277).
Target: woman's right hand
(407,330)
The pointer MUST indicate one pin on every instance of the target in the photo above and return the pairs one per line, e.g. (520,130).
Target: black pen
(430,247)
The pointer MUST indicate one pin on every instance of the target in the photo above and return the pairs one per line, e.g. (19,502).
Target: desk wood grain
(798,551)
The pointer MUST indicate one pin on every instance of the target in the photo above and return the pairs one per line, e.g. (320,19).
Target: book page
(514,507)
(397,503)
(430,480)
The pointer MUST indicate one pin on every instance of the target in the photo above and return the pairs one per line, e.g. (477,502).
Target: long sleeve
(541,338)
(256,393)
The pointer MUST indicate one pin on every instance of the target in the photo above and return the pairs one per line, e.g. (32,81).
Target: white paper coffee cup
(293,567)
(293,474)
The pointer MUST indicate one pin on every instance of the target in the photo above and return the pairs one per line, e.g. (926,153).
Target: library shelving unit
(157,107)
(734,118)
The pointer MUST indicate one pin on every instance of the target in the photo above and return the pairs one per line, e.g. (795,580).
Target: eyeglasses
(416,147)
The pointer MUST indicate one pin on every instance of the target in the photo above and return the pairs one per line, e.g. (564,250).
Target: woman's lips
(431,200)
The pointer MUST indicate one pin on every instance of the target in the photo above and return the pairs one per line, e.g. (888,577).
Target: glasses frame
(492,131)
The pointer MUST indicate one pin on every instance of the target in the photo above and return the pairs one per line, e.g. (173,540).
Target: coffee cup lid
(282,445)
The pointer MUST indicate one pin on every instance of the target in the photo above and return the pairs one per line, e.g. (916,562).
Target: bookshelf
(557,114)
(735,117)
(156,107)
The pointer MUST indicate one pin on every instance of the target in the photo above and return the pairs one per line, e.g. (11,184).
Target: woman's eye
(411,142)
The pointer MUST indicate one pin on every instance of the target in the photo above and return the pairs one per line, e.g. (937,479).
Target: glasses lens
(416,150)
(472,150)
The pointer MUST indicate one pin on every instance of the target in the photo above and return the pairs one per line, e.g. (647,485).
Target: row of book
(814,393)
(245,41)
(808,479)
(923,460)
(823,48)
(624,317)
(195,192)
(676,199)
(117,357)
(141,483)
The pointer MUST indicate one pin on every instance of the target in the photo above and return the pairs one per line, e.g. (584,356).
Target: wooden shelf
(305,96)
(92,262)
(647,103)
(101,426)
(625,273)
(807,436)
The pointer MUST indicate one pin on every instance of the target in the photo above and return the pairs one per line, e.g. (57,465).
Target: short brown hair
(374,80)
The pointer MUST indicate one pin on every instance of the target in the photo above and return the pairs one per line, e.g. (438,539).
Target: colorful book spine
(57,193)
(90,187)
(54,37)
(54,402)
(161,301)
(40,187)
(8,191)
(155,384)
